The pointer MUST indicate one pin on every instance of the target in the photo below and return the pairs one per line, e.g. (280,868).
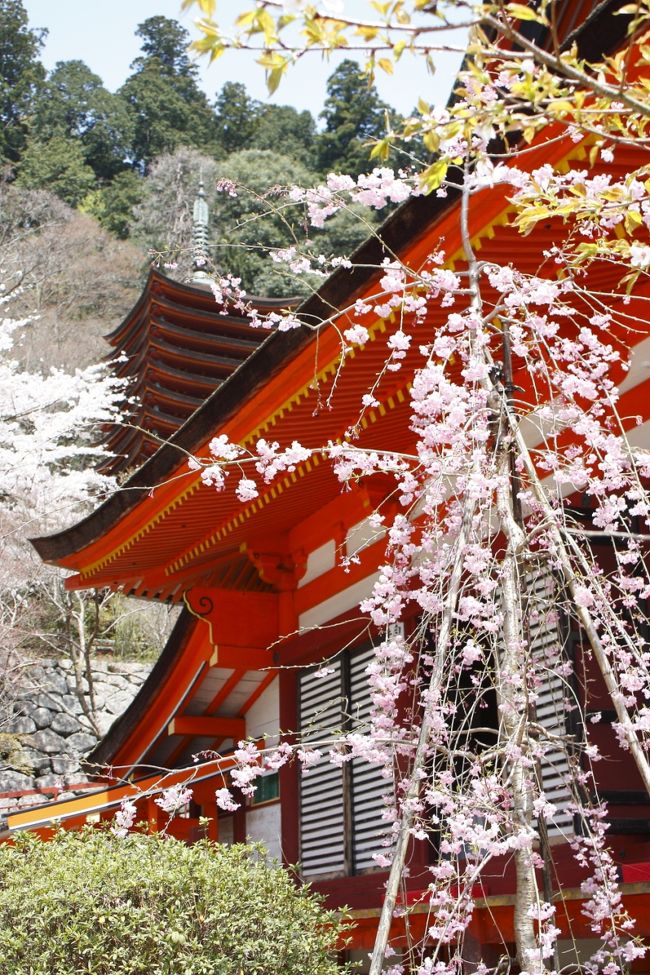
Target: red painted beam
(241,658)
(208,727)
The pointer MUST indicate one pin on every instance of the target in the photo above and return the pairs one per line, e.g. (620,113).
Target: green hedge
(91,902)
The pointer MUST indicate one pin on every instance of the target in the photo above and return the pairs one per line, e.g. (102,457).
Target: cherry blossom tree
(49,428)
(508,490)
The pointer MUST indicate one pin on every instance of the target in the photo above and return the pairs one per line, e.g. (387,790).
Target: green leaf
(523,12)
(267,26)
(246,19)
(381,150)
(432,177)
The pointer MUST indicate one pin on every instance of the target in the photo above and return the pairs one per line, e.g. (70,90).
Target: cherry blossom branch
(422,752)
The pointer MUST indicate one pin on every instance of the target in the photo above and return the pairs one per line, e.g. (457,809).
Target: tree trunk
(513,716)
(420,759)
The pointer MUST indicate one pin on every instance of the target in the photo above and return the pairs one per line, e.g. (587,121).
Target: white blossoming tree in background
(509,490)
(50,423)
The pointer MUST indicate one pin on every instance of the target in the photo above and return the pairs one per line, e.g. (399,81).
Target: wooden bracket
(276,565)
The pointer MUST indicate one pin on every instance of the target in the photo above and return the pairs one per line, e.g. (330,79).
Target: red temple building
(265,597)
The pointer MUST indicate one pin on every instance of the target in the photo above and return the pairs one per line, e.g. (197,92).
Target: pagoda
(176,346)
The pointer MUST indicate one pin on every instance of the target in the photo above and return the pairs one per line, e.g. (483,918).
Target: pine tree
(169,108)
(21,74)
(354,115)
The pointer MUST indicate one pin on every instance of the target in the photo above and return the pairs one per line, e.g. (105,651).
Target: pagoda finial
(200,221)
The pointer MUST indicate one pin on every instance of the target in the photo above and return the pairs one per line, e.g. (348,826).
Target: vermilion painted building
(264,591)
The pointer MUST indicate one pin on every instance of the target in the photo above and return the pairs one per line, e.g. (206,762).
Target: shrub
(90,902)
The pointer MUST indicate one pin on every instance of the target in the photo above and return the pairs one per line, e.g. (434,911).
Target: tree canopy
(21,74)
(168,111)
(73,102)
(167,41)
(236,116)
(58,165)
(252,217)
(354,116)
(159,108)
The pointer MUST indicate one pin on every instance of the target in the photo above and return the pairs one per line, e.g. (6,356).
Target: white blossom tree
(50,424)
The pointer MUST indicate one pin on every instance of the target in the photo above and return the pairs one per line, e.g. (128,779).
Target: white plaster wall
(263,718)
(320,560)
(226,830)
(263,825)
(340,603)
(362,535)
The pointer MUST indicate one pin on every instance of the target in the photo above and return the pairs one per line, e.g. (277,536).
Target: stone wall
(48,734)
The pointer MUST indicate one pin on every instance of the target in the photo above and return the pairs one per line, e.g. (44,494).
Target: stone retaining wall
(52,734)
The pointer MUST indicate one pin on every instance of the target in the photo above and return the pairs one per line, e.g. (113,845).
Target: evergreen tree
(243,123)
(74,103)
(21,74)
(57,165)
(168,41)
(113,205)
(169,109)
(259,220)
(354,115)
(284,126)
(237,116)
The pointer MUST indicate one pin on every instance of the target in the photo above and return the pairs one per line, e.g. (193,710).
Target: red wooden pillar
(289,782)
(204,796)
(239,824)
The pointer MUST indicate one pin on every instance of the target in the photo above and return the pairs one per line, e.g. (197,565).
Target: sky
(103,35)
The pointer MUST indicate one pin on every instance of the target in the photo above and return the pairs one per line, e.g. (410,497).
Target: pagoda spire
(200,232)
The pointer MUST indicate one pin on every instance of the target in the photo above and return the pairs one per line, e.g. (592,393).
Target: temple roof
(183,525)
(176,346)
(411,231)
(405,227)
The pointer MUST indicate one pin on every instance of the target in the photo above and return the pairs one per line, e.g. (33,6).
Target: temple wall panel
(341,602)
(263,826)
(263,717)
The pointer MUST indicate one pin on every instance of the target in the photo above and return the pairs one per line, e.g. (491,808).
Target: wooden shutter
(367,784)
(547,647)
(322,819)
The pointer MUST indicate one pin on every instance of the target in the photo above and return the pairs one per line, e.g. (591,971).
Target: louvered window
(322,818)
(547,646)
(340,807)
(367,784)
